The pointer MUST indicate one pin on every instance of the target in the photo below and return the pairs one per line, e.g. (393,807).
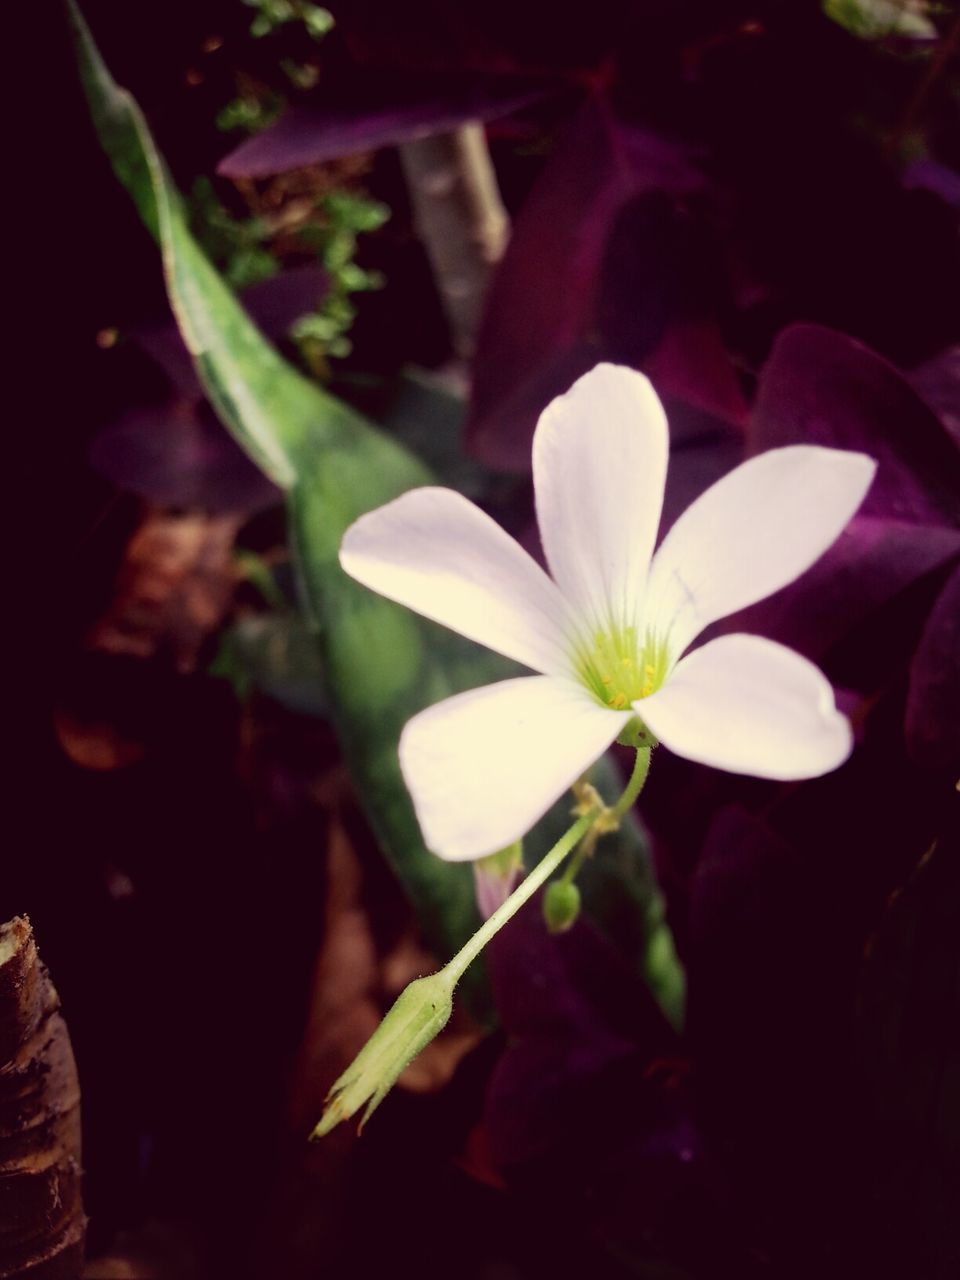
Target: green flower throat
(619,669)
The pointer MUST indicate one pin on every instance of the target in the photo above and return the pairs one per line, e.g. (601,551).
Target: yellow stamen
(619,667)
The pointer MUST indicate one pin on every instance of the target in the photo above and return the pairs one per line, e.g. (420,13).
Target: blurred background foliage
(756,204)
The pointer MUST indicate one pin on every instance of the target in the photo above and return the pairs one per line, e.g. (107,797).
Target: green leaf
(382,663)
(876,19)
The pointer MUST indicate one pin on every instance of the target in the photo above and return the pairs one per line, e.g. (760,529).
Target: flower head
(608,630)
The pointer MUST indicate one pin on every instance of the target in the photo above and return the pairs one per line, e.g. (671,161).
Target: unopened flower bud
(561,905)
(419,1013)
(495,878)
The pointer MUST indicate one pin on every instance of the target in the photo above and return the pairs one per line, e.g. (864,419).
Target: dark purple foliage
(774,888)
(933,703)
(927,175)
(178,454)
(870,565)
(879,582)
(821,387)
(590,1101)
(606,261)
(381,111)
(492,35)
(175,450)
(938,381)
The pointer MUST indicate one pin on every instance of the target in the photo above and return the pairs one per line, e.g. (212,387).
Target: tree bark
(42,1223)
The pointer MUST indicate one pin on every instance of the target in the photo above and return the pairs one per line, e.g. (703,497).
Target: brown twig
(460,218)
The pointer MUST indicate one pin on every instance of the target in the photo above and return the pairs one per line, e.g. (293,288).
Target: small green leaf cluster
(877,19)
(277,13)
(238,245)
(249,112)
(245,249)
(344,216)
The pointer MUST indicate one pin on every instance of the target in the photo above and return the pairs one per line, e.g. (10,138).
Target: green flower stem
(524,890)
(422,1009)
(587,846)
(586,827)
(641,767)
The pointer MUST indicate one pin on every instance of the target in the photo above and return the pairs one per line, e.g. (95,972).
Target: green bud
(419,1013)
(561,905)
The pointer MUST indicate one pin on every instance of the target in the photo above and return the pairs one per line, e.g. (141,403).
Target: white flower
(607,633)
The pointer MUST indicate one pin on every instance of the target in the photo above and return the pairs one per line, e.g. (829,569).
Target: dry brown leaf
(95,744)
(174,586)
(354,985)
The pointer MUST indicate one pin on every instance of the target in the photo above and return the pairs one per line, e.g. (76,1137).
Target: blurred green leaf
(381,663)
(249,113)
(276,13)
(277,654)
(875,19)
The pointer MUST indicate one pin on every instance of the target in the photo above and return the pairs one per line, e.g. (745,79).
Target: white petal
(755,530)
(599,465)
(748,705)
(434,551)
(484,766)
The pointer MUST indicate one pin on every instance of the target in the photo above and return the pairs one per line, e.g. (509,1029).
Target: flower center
(619,669)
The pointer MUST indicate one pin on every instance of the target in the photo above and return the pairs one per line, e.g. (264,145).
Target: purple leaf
(933,699)
(605,262)
(179,454)
(871,564)
(755,997)
(929,175)
(276,303)
(380,112)
(692,364)
(821,387)
(492,34)
(938,382)
(165,347)
(576,1015)
(702,449)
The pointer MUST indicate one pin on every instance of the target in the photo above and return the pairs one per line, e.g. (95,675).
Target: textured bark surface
(42,1222)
